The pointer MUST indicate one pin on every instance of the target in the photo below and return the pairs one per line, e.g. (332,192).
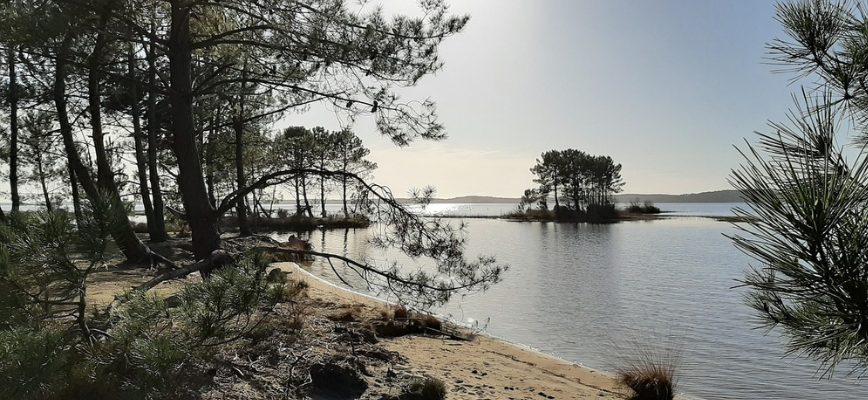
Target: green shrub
(142,348)
(34,363)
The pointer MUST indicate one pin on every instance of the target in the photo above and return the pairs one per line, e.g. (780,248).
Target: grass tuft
(428,388)
(650,376)
(400,312)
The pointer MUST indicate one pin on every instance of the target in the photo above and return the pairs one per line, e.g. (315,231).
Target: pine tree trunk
(201,216)
(344,167)
(304,194)
(141,160)
(557,204)
(322,187)
(122,230)
(132,248)
(41,172)
(13,131)
(344,184)
(298,210)
(209,163)
(158,232)
(76,198)
(241,181)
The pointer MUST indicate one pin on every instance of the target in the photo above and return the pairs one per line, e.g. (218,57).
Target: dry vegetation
(650,376)
(309,346)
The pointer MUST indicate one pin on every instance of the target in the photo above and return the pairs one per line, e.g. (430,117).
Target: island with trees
(580,186)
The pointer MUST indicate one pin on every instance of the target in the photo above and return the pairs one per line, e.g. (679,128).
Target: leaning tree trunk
(13,131)
(201,216)
(119,222)
(141,161)
(132,248)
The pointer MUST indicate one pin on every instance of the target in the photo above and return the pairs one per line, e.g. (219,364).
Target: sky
(664,87)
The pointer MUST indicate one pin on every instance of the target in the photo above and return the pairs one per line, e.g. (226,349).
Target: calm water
(591,293)
(498,209)
(490,209)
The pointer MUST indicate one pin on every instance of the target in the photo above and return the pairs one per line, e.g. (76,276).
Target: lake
(593,293)
(499,209)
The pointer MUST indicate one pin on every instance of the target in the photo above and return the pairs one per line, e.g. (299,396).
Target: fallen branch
(178,213)
(217,259)
(390,277)
(157,258)
(449,335)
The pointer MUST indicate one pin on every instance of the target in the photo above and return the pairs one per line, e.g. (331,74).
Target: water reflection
(588,292)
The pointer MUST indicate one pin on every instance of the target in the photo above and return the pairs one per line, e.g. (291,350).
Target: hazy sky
(664,87)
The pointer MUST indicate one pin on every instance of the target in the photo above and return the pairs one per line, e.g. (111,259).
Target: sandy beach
(480,368)
(483,368)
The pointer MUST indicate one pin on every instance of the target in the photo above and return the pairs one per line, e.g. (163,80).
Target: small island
(582,187)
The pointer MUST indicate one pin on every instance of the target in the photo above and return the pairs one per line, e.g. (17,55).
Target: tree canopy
(582,184)
(148,101)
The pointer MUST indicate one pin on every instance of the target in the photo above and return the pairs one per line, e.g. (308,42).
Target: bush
(51,348)
(651,377)
(646,208)
(592,213)
(427,388)
(400,312)
(600,213)
(650,208)
(33,363)
(283,292)
(140,227)
(531,214)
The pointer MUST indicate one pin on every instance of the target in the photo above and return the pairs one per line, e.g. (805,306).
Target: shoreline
(526,357)
(549,376)
(624,218)
(314,280)
(486,366)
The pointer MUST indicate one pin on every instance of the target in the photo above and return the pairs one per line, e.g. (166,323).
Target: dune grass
(650,375)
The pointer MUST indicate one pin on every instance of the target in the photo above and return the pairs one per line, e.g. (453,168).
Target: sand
(483,368)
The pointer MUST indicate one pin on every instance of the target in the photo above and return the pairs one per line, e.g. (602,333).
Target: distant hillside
(717,196)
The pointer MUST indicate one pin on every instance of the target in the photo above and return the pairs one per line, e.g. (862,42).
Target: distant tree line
(298,148)
(581,185)
(301,148)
